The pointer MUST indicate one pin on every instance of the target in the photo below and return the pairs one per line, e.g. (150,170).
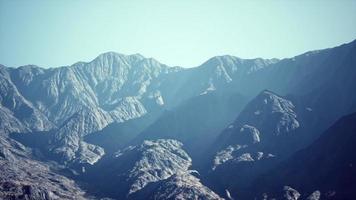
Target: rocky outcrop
(265,131)
(270,113)
(111,88)
(262,125)
(79,100)
(18,113)
(179,186)
(289,193)
(9,123)
(157,160)
(22,177)
(152,169)
(67,143)
(74,101)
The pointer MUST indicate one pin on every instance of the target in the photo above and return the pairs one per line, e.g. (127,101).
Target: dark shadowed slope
(327,165)
(267,130)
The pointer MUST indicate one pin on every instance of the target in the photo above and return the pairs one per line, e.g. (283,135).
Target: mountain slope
(196,121)
(178,186)
(327,165)
(132,168)
(23,114)
(22,177)
(320,78)
(84,98)
(111,88)
(152,169)
(111,96)
(267,130)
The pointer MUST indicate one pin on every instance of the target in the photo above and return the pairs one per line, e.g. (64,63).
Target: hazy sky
(183,32)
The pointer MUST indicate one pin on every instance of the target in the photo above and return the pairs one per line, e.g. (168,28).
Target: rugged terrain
(130,127)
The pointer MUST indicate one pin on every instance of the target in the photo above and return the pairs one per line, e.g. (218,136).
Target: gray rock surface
(18,114)
(270,113)
(22,177)
(154,169)
(179,187)
(111,88)
(256,131)
(79,100)
(158,160)
(290,193)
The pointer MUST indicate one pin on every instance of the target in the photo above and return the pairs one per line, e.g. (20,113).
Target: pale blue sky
(183,32)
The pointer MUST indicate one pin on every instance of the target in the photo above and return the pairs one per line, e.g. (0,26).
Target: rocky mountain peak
(178,186)
(159,159)
(270,113)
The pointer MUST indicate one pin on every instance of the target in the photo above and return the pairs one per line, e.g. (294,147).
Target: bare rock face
(256,131)
(111,88)
(127,108)
(150,170)
(18,114)
(155,169)
(78,100)
(9,123)
(67,142)
(157,160)
(237,154)
(71,102)
(22,177)
(263,133)
(269,113)
(290,193)
(103,83)
(178,187)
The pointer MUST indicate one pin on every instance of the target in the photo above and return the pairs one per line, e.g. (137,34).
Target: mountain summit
(130,127)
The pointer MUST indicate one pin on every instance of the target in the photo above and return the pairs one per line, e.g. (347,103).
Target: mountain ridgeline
(130,127)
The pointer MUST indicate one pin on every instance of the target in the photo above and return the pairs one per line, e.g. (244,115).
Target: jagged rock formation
(179,186)
(103,83)
(134,170)
(237,154)
(18,114)
(289,193)
(262,125)
(266,131)
(111,88)
(158,160)
(67,140)
(79,100)
(72,102)
(270,113)
(21,177)
(9,123)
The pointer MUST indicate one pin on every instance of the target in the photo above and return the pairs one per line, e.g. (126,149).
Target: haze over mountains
(130,127)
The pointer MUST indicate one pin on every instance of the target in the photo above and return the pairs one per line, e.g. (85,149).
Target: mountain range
(130,127)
